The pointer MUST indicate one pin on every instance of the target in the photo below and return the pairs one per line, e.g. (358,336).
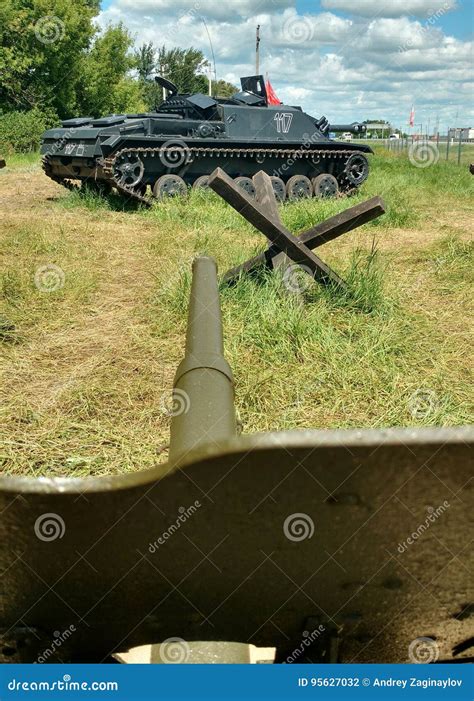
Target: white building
(467,133)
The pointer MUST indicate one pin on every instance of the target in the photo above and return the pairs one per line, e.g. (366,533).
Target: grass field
(94,303)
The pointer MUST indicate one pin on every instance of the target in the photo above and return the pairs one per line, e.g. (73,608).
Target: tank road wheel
(299,187)
(325,185)
(246,184)
(279,188)
(128,170)
(201,182)
(169,186)
(356,169)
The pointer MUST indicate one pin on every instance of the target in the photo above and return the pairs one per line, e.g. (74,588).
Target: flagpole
(257,51)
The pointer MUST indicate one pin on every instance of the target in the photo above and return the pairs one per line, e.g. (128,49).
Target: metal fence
(449,149)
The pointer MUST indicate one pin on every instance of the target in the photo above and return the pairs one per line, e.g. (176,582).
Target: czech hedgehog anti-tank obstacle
(285,248)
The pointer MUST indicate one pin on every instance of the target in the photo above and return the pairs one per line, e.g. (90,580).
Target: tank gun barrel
(354,128)
(203,396)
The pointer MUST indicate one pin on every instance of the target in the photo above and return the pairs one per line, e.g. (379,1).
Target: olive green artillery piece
(274,539)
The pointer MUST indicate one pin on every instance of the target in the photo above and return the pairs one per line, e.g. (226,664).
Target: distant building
(378,130)
(379,126)
(466,133)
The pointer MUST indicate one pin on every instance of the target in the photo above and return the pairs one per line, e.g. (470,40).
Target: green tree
(106,83)
(182,67)
(145,59)
(221,88)
(42,44)
(55,63)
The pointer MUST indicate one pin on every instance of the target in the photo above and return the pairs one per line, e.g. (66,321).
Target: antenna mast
(212,48)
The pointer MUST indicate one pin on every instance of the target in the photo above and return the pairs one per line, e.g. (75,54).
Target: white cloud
(306,31)
(232,11)
(348,69)
(390,8)
(395,34)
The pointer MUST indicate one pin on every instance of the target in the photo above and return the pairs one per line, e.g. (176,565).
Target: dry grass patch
(84,368)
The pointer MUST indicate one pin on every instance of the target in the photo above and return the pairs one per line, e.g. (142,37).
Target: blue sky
(348,59)
(458,23)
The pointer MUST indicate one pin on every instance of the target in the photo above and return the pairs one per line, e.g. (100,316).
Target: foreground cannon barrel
(350,527)
(203,396)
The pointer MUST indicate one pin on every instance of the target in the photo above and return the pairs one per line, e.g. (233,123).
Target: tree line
(55,63)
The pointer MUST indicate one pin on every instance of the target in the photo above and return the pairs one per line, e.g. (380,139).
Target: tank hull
(193,135)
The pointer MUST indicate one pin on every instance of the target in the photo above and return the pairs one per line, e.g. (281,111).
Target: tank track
(65,182)
(191,152)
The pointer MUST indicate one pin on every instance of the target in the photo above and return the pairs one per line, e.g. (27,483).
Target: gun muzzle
(203,395)
(354,128)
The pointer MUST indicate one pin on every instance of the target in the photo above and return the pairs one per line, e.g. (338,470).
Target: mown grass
(17,161)
(86,367)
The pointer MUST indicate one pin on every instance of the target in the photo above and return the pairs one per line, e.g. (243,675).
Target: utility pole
(207,65)
(257,51)
(163,68)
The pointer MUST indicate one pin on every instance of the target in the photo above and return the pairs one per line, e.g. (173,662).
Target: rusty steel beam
(316,236)
(265,195)
(274,231)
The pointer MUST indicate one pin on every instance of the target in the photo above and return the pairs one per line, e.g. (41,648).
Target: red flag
(272,99)
(411,121)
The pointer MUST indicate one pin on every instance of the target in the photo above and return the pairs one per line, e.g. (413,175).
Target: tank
(161,153)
